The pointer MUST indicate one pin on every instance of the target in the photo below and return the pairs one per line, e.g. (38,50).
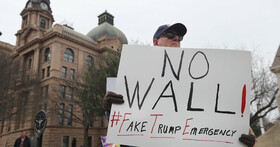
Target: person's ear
(155,41)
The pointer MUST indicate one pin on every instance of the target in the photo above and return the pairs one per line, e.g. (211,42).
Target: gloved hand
(249,140)
(111,98)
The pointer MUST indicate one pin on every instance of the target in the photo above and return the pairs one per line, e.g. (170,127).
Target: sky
(232,24)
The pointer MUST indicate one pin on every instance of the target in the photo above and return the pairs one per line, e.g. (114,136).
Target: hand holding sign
(110,98)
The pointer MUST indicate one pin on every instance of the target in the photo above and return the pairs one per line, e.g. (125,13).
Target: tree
(89,89)
(92,88)
(264,89)
(15,93)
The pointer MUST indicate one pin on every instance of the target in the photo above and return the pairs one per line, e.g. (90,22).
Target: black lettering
(216,132)
(201,131)
(160,128)
(193,131)
(136,126)
(210,132)
(165,128)
(166,96)
(189,108)
(130,126)
(171,130)
(233,132)
(202,76)
(177,128)
(143,126)
(223,132)
(217,99)
(177,76)
(136,91)
(205,131)
(227,133)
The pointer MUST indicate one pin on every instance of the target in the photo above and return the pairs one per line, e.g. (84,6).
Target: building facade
(51,53)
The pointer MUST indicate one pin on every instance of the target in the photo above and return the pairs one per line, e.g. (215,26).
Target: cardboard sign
(181,97)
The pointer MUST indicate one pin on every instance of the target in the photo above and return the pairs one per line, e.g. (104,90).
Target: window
(47,55)
(64,71)
(43,73)
(61,114)
(89,61)
(72,71)
(41,93)
(29,63)
(45,107)
(43,24)
(23,119)
(71,89)
(2,126)
(89,141)
(48,71)
(47,91)
(69,55)
(62,92)
(65,141)
(69,116)
(25,20)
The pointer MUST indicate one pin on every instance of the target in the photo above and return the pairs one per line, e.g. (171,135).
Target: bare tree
(264,89)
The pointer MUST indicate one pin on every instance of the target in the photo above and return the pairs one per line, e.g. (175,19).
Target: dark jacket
(26,142)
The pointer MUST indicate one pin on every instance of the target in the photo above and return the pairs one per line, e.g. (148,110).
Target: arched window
(69,55)
(47,55)
(89,61)
(43,24)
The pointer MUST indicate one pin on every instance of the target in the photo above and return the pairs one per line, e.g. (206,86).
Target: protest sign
(181,97)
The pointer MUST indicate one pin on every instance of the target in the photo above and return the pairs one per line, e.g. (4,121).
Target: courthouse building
(53,52)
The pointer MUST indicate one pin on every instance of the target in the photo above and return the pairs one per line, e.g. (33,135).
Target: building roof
(72,31)
(105,27)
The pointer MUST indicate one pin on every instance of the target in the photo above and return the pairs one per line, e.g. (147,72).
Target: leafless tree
(264,88)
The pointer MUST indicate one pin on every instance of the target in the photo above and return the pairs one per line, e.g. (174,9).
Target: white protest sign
(181,97)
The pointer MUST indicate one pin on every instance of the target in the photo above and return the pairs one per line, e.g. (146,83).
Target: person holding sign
(168,36)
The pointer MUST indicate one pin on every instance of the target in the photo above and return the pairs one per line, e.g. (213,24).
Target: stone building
(53,52)
(271,138)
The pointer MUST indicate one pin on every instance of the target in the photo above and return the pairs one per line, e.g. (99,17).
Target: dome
(106,27)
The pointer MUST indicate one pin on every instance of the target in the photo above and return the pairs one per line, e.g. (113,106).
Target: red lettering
(124,120)
(155,120)
(184,132)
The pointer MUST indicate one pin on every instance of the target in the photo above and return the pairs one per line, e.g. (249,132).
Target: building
(52,52)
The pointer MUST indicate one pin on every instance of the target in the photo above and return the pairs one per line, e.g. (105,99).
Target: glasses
(170,35)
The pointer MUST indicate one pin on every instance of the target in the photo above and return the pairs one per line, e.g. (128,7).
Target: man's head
(169,35)
(23,134)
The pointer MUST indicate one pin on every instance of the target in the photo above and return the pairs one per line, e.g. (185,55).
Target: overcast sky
(211,23)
